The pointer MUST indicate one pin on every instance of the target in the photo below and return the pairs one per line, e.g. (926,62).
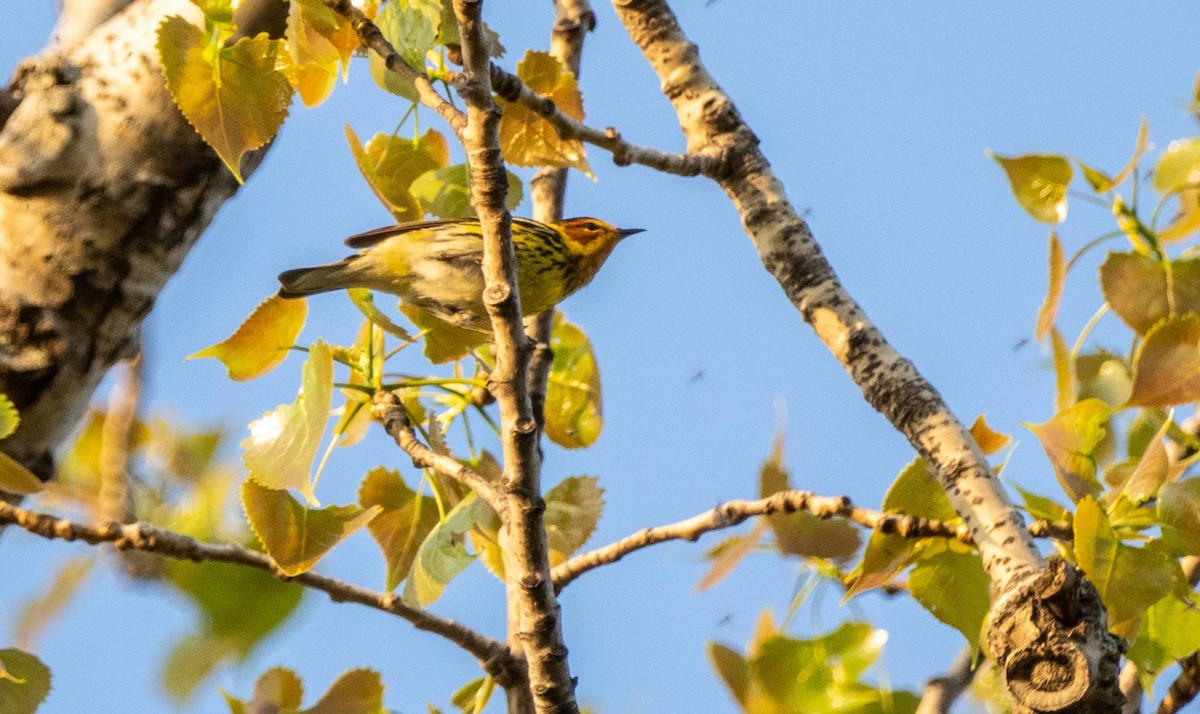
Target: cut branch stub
(1043,634)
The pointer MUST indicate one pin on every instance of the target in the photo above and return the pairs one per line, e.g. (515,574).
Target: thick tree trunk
(104,187)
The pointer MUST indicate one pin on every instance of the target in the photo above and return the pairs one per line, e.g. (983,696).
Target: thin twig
(389,411)
(940,692)
(492,654)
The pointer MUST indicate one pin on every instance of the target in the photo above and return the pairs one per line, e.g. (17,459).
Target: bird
(437,265)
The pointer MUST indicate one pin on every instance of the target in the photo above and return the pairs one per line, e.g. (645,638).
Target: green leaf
(1070,439)
(403,523)
(262,342)
(446,193)
(185,454)
(295,536)
(733,669)
(24,682)
(443,554)
(916,492)
(1128,579)
(278,687)
(953,587)
(1042,507)
(448,31)
(412,27)
(1151,471)
(816,675)
(573,509)
(526,139)
(573,401)
(802,533)
(1058,275)
(219,591)
(391,164)
(9,418)
(443,342)
(220,11)
(1170,631)
(364,300)
(884,557)
(358,691)
(1178,172)
(1179,515)
(1065,381)
(1143,290)
(1039,183)
(233,96)
(283,443)
(1166,368)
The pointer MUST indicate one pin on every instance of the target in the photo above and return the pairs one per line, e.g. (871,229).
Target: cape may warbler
(437,265)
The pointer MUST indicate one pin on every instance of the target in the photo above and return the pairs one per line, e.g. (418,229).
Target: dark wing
(374,237)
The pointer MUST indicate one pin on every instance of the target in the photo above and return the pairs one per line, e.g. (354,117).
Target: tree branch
(527,554)
(940,692)
(389,411)
(1185,687)
(893,386)
(493,656)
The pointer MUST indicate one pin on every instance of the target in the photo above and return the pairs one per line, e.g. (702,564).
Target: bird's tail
(318,279)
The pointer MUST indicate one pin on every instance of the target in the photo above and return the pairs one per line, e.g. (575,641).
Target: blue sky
(876,117)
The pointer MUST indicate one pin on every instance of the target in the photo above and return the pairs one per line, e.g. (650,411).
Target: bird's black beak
(626,232)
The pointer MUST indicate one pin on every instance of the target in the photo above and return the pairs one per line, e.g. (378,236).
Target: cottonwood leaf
(262,341)
(989,440)
(815,675)
(573,509)
(364,300)
(446,192)
(24,682)
(403,523)
(1058,275)
(313,57)
(1178,172)
(884,557)
(80,466)
(1179,516)
(191,661)
(1151,471)
(1103,376)
(1166,368)
(283,443)
(443,554)
(1065,380)
(220,11)
(574,408)
(448,31)
(1039,183)
(277,690)
(1170,631)
(1070,439)
(953,587)
(443,342)
(391,164)
(916,492)
(15,478)
(297,537)
(358,691)
(1042,507)
(802,533)
(526,139)
(1143,290)
(219,591)
(728,553)
(733,670)
(9,418)
(232,95)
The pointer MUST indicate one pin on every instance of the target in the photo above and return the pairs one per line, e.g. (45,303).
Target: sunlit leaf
(1170,631)
(990,441)
(366,358)
(916,492)
(529,140)
(1178,172)
(364,300)
(390,164)
(262,342)
(24,682)
(815,675)
(443,554)
(314,58)
(573,400)
(802,533)
(883,559)
(473,696)
(443,342)
(573,509)
(402,525)
(733,669)
(277,690)
(219,591)
(15,478)
(1070,439)
(296,536)
(1042,507)
(358,691)
(1103,376)
(412,27)
(38,613)
(1179,515)
(1151,471)
(1166,368)
(446,192)
(728,553)
(216,10)
(1143,290)
(9,418)
(1039,183)
(283,443)
(448,31)
(1065,382)
(1058,275)
(233,95)
(80,466)
(953,587)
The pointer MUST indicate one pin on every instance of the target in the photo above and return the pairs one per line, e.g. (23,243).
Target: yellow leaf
(1143,290)
(573,509)
(443,342)
(573,404)
(390,164)
(403,523)
(262,342)
(1166,368)
(527,139)
(1103,184)
(296,536)
(989,440)
(358,691)
(15,478)
(1178,172)
(235,97)
(1039,183)
(9,418)
(1070,439)
(1058,274)
(313,65)
(1065,380)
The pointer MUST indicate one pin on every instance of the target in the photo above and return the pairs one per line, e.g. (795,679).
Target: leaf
(15,478)
(191,661)
(233,96)
(364,300)
(185,454)
(1070,439)
(1166,368)
(403,523)
(526,139)
(1178,172)
(1042,507)
(227,614)
(24,682)
(446,192)
(262,342)
(295,536)
(390,164)
(883,559)
(1179,515)
(1039,183)
(1103,376)
(916,492)
(733,669)
(39,612)
(727,554)
(1103,184)
(953,587)
(990,441)
(220,11)
(1143,290)
(443,554)
(443,342)
(1065,381)
(80,467)
(312,29)
(1128,579)
(1058,275)
(358,691)
(573,509)
(1169,632)
(816,675)
(1151,471)
(448,31)
(573,402)
(283,443)
(9,418)
(412,27)
(802,533)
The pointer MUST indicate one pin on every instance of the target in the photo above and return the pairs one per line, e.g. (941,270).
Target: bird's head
(592,237)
